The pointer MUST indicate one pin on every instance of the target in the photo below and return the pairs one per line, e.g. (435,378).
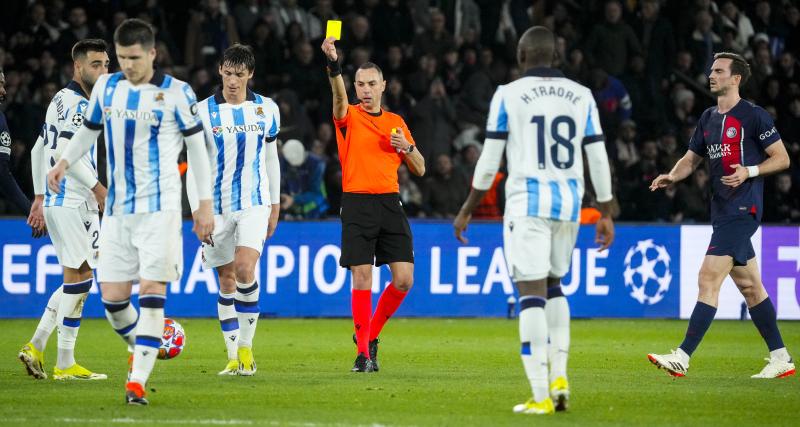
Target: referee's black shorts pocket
(395,243)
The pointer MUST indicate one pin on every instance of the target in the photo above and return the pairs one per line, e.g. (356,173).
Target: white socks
(533,336)
(557,312)
(780,354)
(246,303)
(123,319)
(48,321)
(70,309)
(229,322)
(149,331)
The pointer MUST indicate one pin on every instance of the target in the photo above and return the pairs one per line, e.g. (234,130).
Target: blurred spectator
(693,196)
(658,42)
(704,42)
(285,12)
(410,194)
(269,57)
(210,31)
(623,151)
(435,40)
(357,35)
(613,101)
(739,22)
(397,100)
(434,122)
(295,124)
(470,152)
(78,30)
(575,67)
(611,42)
(393,18)
(303,75)
(302,189)
(445,190)
(783,204)
(683,106)
(247,13)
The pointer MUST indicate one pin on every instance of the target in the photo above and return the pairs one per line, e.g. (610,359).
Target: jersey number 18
(560,140)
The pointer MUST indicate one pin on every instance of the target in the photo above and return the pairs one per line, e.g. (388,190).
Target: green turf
(433,372)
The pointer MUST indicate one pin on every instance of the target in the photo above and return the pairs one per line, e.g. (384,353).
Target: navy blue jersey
(739,136)
(8,186)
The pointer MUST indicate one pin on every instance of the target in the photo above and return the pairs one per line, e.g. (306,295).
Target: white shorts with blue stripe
(145,246)
(536,248)
(75,234)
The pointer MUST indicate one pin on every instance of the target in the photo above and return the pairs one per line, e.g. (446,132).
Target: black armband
(334,68)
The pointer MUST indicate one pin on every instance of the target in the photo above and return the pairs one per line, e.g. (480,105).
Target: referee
(372,144)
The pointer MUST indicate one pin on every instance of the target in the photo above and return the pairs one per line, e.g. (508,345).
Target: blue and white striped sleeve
(93,116)
(497,123)
(75,119)
(593,132)
(186,111)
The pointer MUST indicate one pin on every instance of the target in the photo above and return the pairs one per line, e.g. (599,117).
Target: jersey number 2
(560,140)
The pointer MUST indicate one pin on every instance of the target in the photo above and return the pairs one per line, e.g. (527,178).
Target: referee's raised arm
(335,77)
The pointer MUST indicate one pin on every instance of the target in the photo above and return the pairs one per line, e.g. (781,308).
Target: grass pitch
(433,372)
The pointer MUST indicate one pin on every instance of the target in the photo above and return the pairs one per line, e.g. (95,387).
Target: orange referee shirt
(369,162)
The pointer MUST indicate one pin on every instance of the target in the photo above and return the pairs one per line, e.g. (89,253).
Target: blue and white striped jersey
(64,117)
(237,137)
(546,120)
(144,130)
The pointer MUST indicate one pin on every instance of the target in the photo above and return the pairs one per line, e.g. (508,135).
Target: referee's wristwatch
(410,149)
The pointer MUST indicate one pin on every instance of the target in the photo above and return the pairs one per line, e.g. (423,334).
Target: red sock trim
(361,304)
(390,301)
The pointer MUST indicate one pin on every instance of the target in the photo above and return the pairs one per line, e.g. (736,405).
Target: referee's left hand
(460,226)
(399,141)
(739,175)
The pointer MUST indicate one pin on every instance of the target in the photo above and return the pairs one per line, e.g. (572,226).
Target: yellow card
(394,131)
(334,29)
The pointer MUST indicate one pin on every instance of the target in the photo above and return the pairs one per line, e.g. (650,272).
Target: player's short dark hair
(239,55)
(373,66)
(83,47)
(739,65)
(135,31)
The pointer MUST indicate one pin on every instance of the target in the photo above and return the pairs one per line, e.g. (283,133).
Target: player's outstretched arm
(485,171)
(78,145)
(274,176)
(682,169)
(600,173)
(335,78)
(200,169)
(776,161)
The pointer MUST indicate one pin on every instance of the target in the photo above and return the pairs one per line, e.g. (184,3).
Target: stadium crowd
(645,60)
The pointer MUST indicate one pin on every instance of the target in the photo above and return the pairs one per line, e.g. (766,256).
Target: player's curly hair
(239,55)
(135,31)
(739,65)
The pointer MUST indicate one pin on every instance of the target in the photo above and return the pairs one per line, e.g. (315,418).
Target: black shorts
(731,237)
(375,230)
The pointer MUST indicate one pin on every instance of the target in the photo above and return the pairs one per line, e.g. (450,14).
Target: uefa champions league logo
(647,272)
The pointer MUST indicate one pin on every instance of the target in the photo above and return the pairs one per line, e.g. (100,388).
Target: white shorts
(247,227)
(145,246)
(75,233)
(537,248)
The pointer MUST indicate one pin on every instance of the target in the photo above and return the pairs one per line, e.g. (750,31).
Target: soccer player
(8,186)
(145,115)
(542,121)
(742,145)
(240,130)
(372,144)
(71,215)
